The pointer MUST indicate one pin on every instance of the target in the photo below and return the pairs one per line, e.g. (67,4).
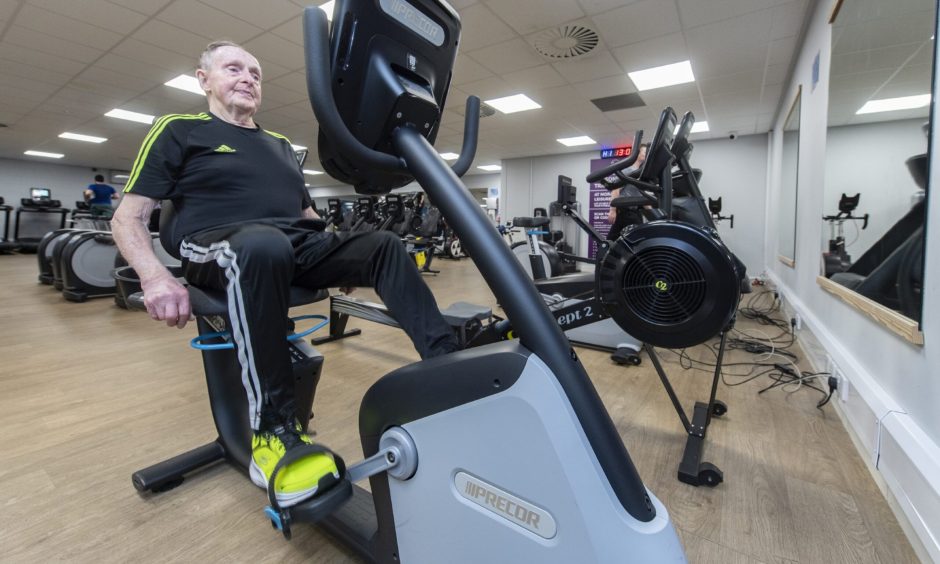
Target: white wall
(65,182)
(732,169)
(321,193)
(893,386)
(736,171)
(886,186)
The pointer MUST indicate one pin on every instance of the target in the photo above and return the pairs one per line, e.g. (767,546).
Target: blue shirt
(102,192)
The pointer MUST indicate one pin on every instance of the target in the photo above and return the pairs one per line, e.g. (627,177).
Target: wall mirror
(789,167)
(877,148)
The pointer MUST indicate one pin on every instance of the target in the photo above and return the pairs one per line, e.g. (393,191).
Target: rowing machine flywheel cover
(669,284)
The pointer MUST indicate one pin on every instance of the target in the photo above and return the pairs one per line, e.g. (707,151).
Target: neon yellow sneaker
(297,481)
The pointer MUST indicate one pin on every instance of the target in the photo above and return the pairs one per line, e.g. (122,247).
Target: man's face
(642,156)
(233,81)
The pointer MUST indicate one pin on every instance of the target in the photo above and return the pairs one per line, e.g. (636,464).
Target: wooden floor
(90,393)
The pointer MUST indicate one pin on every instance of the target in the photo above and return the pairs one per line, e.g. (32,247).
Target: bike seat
(205,301)
(530,221)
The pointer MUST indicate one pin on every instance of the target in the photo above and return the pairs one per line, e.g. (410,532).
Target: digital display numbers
(616,152)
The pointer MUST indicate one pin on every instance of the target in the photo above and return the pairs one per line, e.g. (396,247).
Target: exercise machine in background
(837,259)
(714,206)
(39,202)
(6,245)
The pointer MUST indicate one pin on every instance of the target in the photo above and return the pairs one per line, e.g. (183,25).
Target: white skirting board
(905,459)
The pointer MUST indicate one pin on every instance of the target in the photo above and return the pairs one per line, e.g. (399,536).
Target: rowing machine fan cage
(669,284)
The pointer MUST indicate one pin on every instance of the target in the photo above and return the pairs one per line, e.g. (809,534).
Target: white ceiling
(65,63)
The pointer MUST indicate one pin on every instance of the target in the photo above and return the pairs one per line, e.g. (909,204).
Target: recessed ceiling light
(328,8)
(312,172)
(130,116)
(43,154)
(513,104)
(120,176)
(893,104)
(298,147)
(186,82)
(697,127)
(80,137)
(666,75)
(490,168)
(449,156)
(576,141)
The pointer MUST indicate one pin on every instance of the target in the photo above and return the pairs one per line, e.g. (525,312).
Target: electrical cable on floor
(784,373)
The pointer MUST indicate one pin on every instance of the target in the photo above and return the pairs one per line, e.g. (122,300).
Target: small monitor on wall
(40,194)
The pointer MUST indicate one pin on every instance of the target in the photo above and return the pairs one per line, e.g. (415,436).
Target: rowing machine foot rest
(459,314)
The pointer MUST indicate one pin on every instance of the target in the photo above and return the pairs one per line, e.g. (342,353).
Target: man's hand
(347,289)
(167,300)
(612,216)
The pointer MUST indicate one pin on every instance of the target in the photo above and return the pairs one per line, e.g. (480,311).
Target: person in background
(245,224)
(620,219)
(99,196)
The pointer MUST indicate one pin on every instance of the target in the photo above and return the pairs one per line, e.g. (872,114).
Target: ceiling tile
(205,20)
(58,25)
(467,70)
(788,19)
(696,12)
(750,80)
(489,88)
(481,28)
(534,78)
(33,58)
(507,57)
(18,69)
(655,52)
(273,14)
(594,7)
(99,13)
(273,49)
(296,81)
(55,46)
(172,38)
(527,16)
(637,22)
(292,30)
(597,65)
(148,7)
(154,58)
(603,87)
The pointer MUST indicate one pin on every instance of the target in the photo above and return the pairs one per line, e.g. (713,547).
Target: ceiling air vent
(566,42)
(486,110)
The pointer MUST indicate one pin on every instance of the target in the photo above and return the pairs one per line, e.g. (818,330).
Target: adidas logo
(224,149)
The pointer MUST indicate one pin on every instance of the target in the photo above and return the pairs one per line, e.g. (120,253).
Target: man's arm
(165,298)
(612,212)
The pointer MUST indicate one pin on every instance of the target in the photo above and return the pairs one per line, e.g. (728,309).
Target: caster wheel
(709,475)
(454,249)
(719,408)
(624,356)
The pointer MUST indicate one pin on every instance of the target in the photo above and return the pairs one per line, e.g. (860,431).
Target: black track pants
(257,262)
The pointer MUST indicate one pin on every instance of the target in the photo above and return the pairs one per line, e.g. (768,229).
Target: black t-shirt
(218,173)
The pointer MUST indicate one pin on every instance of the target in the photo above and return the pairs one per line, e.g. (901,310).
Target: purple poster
(598,207)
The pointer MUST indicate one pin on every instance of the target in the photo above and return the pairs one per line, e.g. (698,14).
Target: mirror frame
(797,102)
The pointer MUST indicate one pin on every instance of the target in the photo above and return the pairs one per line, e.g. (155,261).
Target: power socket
(843,385)
(796,322)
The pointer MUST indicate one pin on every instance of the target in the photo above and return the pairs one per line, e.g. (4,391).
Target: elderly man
(245,225)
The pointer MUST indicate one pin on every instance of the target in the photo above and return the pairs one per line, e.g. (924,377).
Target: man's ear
(202,77)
